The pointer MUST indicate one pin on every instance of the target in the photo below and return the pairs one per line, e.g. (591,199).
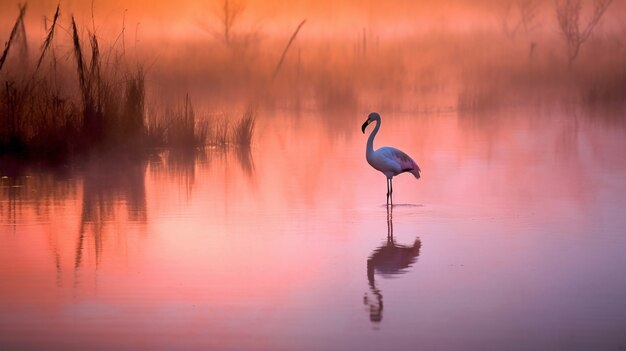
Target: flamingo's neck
(369,149)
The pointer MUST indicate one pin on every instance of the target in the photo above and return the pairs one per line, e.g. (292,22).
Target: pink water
(513,239)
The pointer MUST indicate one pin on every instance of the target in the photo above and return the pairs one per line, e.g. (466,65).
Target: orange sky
(165,19)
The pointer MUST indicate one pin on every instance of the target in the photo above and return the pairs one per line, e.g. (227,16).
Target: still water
(514,238)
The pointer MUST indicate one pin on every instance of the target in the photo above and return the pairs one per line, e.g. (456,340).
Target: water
(513,239)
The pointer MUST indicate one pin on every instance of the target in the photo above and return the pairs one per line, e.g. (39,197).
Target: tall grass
(221,130)
(183,129)
(41,118)
(49,115)
(244,129)
(15,32)
(223,133)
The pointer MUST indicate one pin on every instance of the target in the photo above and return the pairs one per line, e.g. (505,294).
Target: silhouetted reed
(42,117)
(180,125)
(49,37)
(282,56)
(242,134)
(223,133)
(221,136)
(19,24)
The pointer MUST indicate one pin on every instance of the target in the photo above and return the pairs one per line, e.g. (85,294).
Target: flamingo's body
(390,161)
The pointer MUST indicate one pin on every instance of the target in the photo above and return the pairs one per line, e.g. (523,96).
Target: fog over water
(180,229)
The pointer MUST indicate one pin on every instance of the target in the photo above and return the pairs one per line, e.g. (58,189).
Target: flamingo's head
(374,116)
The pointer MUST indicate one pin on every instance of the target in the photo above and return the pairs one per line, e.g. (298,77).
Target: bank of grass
(94,102)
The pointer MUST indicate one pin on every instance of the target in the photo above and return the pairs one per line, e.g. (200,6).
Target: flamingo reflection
(387,260)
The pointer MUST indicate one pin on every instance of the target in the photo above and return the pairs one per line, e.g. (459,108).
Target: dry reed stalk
(88,79)
(134,107)
(282,57)
(79,62)
(49,37)
(18,24)
(221,132)
(94,69)
(244,129)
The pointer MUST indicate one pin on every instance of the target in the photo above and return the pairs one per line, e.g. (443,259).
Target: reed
(282,56)
(221,136)
(244,129)
(131,124)
(40,118)
(180,124)
(49,37)
(19,23)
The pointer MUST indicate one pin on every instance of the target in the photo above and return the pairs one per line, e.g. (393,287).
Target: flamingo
(390,161)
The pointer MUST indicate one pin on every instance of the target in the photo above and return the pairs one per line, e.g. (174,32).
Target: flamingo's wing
(403,161)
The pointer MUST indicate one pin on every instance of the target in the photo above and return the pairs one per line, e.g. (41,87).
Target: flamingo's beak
(365,125)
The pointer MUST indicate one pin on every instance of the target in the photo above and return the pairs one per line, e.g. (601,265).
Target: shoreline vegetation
(86,94)
(43,120)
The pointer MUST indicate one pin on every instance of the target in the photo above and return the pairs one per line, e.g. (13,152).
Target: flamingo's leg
(388,191)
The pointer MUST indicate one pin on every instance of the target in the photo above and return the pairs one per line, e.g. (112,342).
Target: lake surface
(514,238)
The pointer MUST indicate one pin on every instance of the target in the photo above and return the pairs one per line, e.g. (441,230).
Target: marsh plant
(93,102)
(44,114)
(222,133)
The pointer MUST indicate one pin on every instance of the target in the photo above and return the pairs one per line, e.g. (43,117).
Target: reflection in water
(106,185)
(244,156)
(387,260)
(9,189)
(40,192)
(179,166)
(113,197)
(141,256)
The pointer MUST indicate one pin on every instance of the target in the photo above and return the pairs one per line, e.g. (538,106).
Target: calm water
(514,238)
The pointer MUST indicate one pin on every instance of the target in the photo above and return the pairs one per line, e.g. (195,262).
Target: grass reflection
(107,185)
